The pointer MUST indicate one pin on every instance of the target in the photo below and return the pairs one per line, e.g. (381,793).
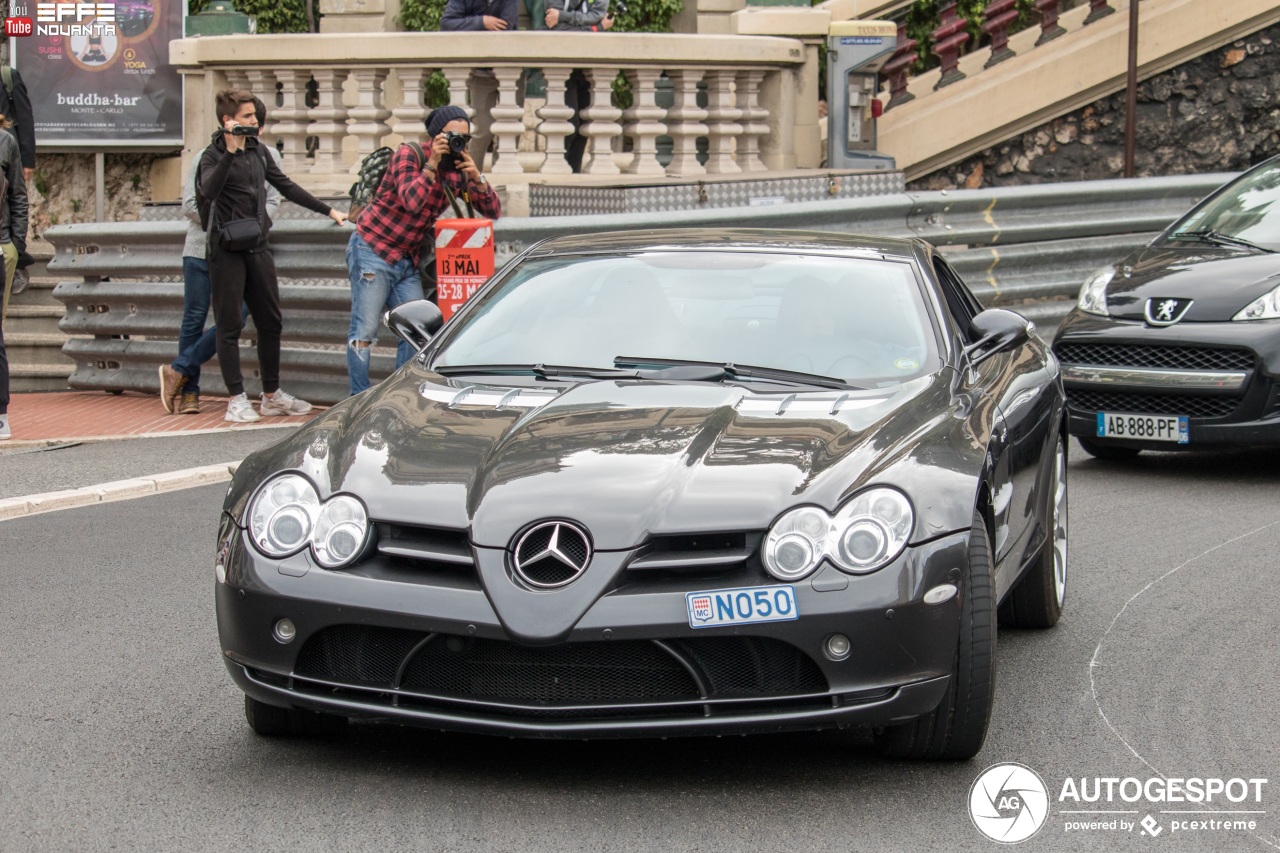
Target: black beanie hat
(441,116)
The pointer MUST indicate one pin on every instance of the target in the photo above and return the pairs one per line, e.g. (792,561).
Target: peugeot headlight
(1093,293)
(1265,307)
(286,515)
(867,533)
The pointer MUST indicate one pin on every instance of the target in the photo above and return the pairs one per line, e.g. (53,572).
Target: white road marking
(1094,663)
(117,490)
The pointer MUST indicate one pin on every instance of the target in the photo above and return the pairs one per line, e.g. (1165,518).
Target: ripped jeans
(375,286)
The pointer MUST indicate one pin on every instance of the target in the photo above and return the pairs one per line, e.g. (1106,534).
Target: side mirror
(415,322)
(997,330)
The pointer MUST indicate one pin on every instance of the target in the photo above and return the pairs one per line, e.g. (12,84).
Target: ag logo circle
(1008,803)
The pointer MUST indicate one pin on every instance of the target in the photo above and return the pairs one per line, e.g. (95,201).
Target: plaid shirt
(404,209)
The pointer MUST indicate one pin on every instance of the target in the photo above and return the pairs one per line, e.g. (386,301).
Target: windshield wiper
(541,371)
(714,371)
(1217,238)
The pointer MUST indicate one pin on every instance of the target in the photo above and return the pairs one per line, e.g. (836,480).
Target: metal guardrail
(1026,248)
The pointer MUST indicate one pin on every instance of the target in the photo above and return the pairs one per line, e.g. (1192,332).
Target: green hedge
(274,16)
(643,16)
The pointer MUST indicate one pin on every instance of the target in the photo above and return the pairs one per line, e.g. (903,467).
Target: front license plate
(745,606)
(1172,428)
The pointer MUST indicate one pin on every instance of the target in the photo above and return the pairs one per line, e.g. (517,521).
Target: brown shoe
(171,382)
(190,404)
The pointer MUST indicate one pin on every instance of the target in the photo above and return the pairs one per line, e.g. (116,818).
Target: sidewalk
(53,418)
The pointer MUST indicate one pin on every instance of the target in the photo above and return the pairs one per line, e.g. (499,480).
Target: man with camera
(590,16)
(234,173)
(396,231)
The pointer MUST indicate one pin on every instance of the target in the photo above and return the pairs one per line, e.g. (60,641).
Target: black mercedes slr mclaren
(1177,346)
(664,483)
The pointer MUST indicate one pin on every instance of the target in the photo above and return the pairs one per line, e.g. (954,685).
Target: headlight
(1265,307)
(1093,293)
(867,533)
(286,516)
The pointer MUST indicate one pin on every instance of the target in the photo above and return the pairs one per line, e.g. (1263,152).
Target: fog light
(939,594)
(837,647)
(284,631)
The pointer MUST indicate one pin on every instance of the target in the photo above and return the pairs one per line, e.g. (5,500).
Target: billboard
(98,72)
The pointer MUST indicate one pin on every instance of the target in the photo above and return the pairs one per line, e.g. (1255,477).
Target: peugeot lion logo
(1165,311)
(1009,803)
(552,554)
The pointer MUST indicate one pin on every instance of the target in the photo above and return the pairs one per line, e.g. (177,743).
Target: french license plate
(745,606)
(1172,428)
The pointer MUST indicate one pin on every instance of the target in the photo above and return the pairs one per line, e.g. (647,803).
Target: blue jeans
(375,286)
(195,344)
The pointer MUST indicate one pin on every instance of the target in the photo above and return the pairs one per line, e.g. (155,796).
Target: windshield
(859,320)
(1245,210)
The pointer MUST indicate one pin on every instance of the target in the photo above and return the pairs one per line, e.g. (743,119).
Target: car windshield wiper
(1219,239)
(714,371)
(541,371)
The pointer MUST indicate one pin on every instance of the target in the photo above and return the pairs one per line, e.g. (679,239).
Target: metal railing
(1026,248)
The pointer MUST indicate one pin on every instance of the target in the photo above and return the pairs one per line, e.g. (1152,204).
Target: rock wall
(1217,113)
(62,189)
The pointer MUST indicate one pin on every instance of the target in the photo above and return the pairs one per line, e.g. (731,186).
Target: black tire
(956,729)
(270,721)
(1037,600)
(1108,452)
(267,720)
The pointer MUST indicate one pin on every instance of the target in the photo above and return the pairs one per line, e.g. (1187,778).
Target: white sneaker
(240,410)
(4,428)
(283,403)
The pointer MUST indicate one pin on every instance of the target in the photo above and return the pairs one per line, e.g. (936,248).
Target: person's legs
(262,295)
(577,96)
(10,267)
(195,310)
(227,286)
(407,288)
(371,284)
(4,387)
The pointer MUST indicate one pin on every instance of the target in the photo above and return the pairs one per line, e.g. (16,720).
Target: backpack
(369,180)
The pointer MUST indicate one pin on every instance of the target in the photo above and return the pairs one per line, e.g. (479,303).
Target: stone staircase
(32,339)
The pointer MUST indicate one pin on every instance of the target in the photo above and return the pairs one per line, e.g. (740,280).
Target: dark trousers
(577,96)
(4,367)
(246,278)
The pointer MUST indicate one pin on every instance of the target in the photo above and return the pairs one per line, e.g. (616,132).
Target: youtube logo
(18,27)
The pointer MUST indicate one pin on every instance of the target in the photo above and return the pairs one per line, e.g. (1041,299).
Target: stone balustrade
(728,104)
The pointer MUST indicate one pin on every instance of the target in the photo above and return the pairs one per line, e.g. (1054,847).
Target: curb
(28,443)
(138,487)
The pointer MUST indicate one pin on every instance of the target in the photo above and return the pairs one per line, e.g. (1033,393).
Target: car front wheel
(1108,452)
(956,729)
(1036,601)
(271,721)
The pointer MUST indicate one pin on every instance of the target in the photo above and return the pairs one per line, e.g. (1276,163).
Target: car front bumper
(1239,406)
(437,655)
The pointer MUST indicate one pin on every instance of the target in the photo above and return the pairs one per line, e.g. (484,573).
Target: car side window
(962,304)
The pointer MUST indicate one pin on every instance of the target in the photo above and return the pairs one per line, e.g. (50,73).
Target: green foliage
(135,179)
(648,16)
(922,19)
(274,16)
(75,205)
(421,16)
(41,181)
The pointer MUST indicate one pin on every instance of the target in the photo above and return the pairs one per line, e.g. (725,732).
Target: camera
(244,130)
(458,143)
(618,8)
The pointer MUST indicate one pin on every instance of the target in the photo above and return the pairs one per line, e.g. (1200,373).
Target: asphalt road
(122,730)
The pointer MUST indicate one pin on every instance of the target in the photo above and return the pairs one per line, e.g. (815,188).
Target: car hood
(1219,281)
(627,459)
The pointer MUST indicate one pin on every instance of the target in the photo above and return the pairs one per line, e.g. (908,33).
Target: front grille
(602,673)
(1151,404)
(576,674)
(1161,357)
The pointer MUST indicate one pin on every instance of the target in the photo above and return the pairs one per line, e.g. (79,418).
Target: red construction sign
(464,260)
